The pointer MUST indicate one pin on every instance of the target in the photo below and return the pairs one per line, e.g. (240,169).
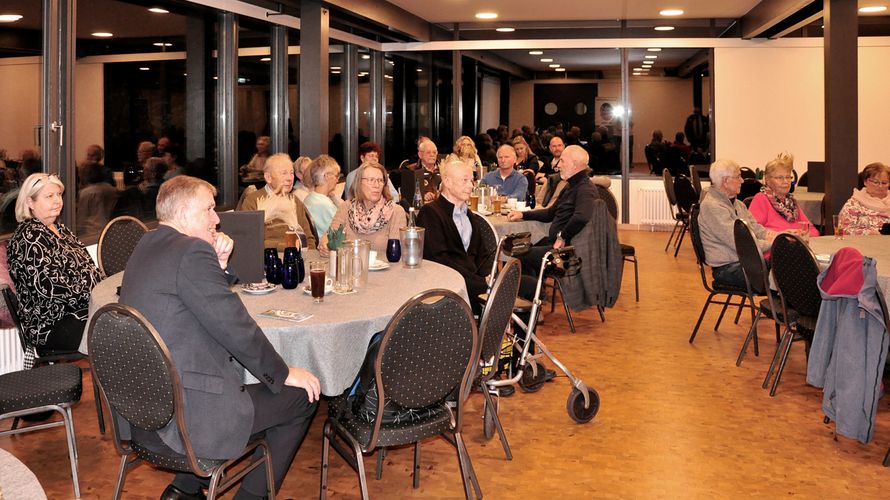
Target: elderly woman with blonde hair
(321,204)
(774,207)
(869,208)
(464,151)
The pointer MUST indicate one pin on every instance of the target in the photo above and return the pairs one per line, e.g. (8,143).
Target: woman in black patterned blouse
(51,269)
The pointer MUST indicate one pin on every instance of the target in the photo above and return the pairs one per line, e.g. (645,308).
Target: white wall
(490,112)
(20,102)
(89,107)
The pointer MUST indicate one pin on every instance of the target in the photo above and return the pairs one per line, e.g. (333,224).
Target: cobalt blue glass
(273,271)
(290,255)
(393,250)
(290,276)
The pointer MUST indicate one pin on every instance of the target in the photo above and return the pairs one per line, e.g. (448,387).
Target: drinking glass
(394,248)
(273,271)
(804,229)
(290,255)
(290,276)
(317,280)
(838,230)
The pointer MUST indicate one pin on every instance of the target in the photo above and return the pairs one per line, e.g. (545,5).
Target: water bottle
(530,200)
(418,196)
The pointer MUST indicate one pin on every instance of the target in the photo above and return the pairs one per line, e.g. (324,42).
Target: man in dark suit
(177,278)
(453,233)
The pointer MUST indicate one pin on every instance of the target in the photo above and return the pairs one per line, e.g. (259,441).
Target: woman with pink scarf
(774,207)
(869,208)
(371,214)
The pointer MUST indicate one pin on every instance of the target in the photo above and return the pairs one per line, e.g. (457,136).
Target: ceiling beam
(495,61)
(806,21)
(387,14)
(688,66)
(768,13)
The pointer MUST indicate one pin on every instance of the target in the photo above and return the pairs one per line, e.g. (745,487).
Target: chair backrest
(753,264)
(684,193)
(607,196)
(795,270)
(695,233)
(804,180)
(12,305)
(750,187)
(696,179)
(669,187)
(498,311)
(747,173)
(428,350)
(117,242)
(489,240)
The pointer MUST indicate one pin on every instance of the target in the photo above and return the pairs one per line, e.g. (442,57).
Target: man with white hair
(716,219)
(283,210)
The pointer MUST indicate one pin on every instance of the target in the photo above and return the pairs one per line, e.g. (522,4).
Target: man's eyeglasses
(878,182)
(374,182)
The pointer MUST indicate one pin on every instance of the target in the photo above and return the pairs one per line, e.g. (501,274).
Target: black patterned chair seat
(172,460)
(723,288)
(433,422)
(44,385)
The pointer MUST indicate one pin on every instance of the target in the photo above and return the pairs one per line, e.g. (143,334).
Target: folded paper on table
(292,316)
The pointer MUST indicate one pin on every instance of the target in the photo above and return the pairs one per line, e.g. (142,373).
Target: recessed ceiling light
(9,18)
(144,68)
(535,52)
(647,65)
(653,49)
(158,10)
(366,56)
(335,72)
(664,28)
(420,70)
(671,12)
(505,30)
(486,15)
(638,69)
(265,59)
(162,44)
(337,68)
(652,56)
(559,69)
(546,59)
(103,34)
(873,8)
(241,79)
(554,65)
(216,78)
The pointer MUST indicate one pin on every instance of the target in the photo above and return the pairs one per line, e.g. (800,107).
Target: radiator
(655,208)
(11,355)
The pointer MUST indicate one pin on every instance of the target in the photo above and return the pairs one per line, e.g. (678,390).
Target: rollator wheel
(576,409)
(488,422)
(529,382)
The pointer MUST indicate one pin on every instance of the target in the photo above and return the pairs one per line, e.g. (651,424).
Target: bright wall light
(664,28)
(486,15)
(102,34)
(671,12)
(654,49)
(535,52)
(871,9)
(505,30)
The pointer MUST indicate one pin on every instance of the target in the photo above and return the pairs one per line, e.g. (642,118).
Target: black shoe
(549,375)
(506,391)
(174,493)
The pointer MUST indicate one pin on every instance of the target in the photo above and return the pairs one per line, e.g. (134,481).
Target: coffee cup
(372,257)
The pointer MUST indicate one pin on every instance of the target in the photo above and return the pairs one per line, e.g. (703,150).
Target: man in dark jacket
(453,233)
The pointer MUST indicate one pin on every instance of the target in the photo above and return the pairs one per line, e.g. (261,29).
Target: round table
(877,247)
(17,480)
(810,203)
(332,343)
(504,227)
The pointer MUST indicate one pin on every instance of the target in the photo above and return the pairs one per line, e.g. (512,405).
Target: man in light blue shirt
(509,181)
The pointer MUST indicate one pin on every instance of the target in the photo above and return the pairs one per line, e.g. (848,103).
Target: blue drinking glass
(393,250)
(290,276)
(273,271)
(290,255)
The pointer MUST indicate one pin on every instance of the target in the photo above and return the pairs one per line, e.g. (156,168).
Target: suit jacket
(175,281)
(442,244)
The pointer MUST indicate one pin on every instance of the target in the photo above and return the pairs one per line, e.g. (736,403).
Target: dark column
(314,133)
(504,118)
(625,136)
(377,104)
(841,103)
(227,124)
(696,90)
(457,116)
(349,99)
(195,88)
(278,90)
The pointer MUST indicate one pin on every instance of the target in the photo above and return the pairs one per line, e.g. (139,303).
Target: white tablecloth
(877,247)
(504,227)
(332,343)
(17,481)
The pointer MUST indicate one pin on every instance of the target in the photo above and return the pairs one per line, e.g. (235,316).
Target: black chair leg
(887,458)
(680,242)
(381,454)
(778,332)
(416,483)
(602,312)
(466,468)
(738,313)
(673,232)
(636,279)
(566,306)
(785,354)
(701,316)
(325,456)
(490,407)
(99,415)
(772,366)
(752,333)
(722,312)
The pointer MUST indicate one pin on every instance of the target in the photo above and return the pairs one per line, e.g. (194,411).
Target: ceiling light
(216,78)
(420,70)
(653,49)
(486,15)
(158,10)
(653,56)
(366,56)
(505,30)
(335,72)
(671,12)
(162,44)
(103,34)
(638,69)
(9,18)
(389,62)
(873,8)
(241,79)
(554,65)
(664,28)
(559,69)
(265,59)
(535,52)
(338,68)
(144,68)
(546,59)
(647,65)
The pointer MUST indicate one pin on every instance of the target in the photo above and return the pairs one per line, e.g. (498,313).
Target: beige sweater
(281,213)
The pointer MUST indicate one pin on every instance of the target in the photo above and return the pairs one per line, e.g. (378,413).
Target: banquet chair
(686,197)
(696,179)
(32,359)
(628,252)
(757,281)
(681,218)
(794,271)
(750,187)
(139,382)
(44,389)
(423,369)
(489,239)
(116,243)
(714,288)
(492,328)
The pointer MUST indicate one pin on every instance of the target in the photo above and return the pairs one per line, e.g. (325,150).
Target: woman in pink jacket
(774,207)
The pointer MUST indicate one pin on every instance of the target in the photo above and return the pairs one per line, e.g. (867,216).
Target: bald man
(453,235)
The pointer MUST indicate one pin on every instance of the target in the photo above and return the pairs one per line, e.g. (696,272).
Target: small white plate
(823,257)
(258,288)
(327,290)
(484,213)
(378,265)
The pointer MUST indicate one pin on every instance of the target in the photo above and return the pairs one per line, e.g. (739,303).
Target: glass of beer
(317,280)
(496,204)
(474,202)
(290,238)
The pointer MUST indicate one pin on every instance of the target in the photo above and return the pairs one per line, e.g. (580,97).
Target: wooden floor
(676,421)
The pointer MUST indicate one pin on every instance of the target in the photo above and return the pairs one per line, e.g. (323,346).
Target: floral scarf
(786,207)
(369,220)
